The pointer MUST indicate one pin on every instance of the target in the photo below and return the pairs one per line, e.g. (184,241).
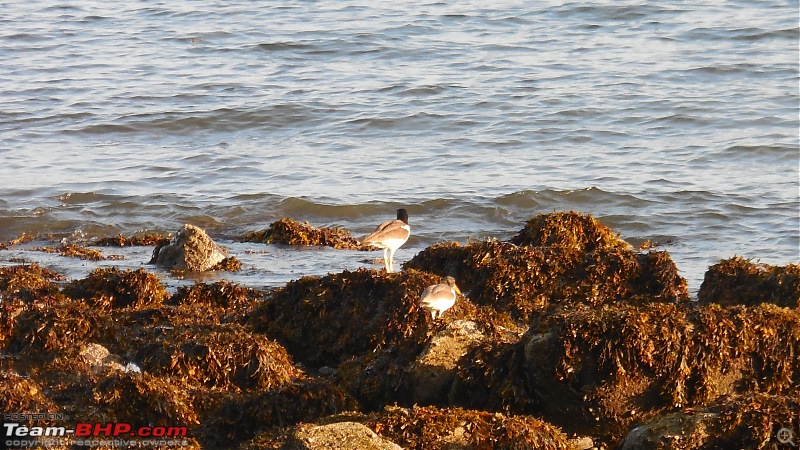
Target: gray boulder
(434,370)
(338,436)
(190,249)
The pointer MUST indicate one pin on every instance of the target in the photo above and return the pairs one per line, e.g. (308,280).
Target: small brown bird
(440,297)
(389,236)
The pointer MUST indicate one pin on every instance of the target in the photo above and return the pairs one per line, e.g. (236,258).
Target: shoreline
(566,337)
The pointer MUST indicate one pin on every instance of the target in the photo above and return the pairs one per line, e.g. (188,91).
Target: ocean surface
(669,121)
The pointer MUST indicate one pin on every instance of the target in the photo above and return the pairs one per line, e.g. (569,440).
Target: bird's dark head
(402,214)
(450,281)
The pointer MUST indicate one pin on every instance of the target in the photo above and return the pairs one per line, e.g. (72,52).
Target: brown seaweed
(241,417)
(21,394)
(28,282)
(573,327)
(46,328)
(229,264)
(145,240)
(569,230)
(113,289)
(221,294)
(738,281)
(76,251)
(142,399)
(224,357)
(752,420)
(523,280)
(596,370)
(290,232)
(327,320)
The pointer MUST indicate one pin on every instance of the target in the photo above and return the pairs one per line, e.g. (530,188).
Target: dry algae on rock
(737,281)
(225,356)
(750,420)
(597,371)
(76,251)
(113,289)
(28,281)
(290,232)
(145,240)
(524,280)
(569,230)
(329,319)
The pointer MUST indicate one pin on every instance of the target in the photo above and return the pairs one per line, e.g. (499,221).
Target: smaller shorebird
(440,297)
(389,236)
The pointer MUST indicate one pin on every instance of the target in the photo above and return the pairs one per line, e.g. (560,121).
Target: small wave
(79,198)
(761,151)
(219,120)
(579,199)
(740,34)
(406,122)
(25,37)
(284,46)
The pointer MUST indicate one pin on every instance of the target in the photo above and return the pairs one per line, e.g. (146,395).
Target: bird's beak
(458,291)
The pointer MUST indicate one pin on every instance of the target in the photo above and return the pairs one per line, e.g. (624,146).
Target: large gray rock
(673,430)
(190,249)
(100,359)
(434,370)
(338,436)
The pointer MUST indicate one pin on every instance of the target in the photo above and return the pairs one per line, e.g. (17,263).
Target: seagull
(389,236)
(440,297)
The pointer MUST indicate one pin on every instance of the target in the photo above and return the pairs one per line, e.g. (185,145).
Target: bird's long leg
(386,261)
(391,260)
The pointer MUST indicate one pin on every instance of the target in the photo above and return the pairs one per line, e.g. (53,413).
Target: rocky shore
(567,338)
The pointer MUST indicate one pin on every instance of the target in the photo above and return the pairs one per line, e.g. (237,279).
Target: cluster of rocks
(567,338)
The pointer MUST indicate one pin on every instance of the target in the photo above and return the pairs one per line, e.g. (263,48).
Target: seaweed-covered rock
(753,420)
(523,280)
(74,251)
(438,428)
(190,249)
(325,321)
(28,282)
(221,294)
(595,371)
(559,258)
(737,281)
(224,357)
(20,394)
(19,286)
(229,264)
(145,240)
(368,325)
(113,289)
(569,230)
(747,421)
(46,328)
(9,311)
(290,232)
(141,399)
(241,416)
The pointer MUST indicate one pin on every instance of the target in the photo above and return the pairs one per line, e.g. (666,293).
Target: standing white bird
(440,297)
(389,236)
